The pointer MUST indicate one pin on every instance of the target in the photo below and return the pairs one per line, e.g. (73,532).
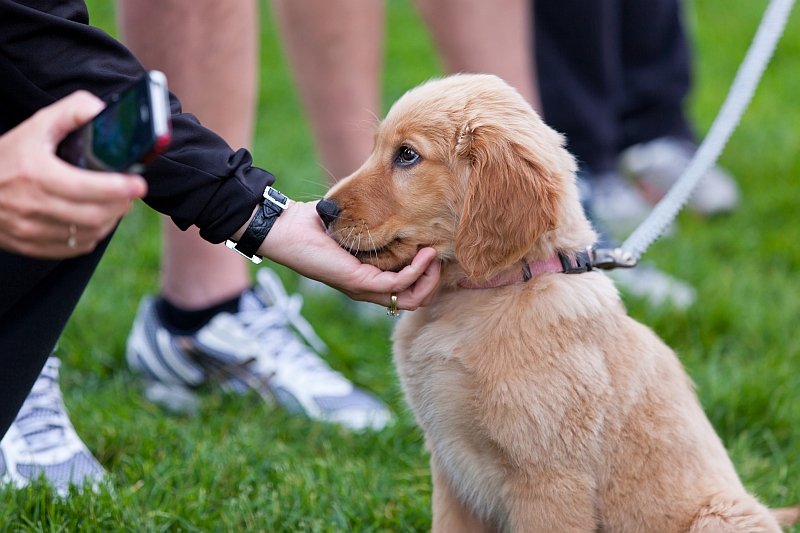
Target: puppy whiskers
(373,249)
(347,240)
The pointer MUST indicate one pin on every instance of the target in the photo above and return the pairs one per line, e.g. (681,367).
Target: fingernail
(138,187)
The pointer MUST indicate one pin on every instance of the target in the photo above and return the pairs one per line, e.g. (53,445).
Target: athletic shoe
(616,204)
(657,287)
(624,209)
(256,348)
(42,441)
(656,165)
(366,311)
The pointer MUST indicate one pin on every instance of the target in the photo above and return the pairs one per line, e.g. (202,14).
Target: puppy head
(462,164)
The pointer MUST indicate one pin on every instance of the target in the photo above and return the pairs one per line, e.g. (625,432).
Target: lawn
(241,465)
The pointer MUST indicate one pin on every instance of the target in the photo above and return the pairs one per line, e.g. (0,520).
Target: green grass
(240,465)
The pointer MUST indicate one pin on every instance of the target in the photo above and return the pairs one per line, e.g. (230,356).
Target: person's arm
(50,209)
(48,50)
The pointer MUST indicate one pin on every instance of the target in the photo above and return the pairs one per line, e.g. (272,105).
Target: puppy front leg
(449,515)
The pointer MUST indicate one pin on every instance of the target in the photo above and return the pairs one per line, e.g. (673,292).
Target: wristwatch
(270,208)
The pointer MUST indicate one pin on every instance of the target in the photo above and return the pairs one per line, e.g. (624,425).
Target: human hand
(50,209)
(298,241)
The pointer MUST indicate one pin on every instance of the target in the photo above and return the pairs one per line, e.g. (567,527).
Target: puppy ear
(511,199)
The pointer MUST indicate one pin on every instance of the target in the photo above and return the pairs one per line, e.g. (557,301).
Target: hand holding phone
(51,209)
(128,134)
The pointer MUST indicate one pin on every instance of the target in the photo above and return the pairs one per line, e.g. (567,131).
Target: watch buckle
(256,259)
(276,197)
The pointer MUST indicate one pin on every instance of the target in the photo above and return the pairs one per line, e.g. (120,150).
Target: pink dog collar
(560,262)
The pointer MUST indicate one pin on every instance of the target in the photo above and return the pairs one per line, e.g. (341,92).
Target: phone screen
(123,132)
(128,133)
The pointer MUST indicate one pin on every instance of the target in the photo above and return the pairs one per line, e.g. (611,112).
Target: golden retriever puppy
(544,406)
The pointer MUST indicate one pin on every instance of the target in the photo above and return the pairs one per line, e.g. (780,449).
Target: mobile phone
(128,134)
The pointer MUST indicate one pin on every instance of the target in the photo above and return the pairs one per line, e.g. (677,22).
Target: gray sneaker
(42,441)
(616,204)
(258,348)
(657,287)
(656,165)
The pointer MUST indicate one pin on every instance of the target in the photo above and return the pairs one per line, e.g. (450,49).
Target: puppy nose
(328,211)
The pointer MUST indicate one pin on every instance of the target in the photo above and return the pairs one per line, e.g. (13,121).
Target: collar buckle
(582,262)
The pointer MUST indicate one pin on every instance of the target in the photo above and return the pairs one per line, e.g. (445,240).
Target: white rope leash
(741,92)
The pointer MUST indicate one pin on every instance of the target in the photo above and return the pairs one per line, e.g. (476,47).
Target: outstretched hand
(50,209)
(298,241)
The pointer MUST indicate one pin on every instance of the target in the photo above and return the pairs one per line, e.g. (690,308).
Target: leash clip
(602,258)
(608,259)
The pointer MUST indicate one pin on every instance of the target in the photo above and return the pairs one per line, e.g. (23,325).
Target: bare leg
(335,50)
(486,37)
(209,51)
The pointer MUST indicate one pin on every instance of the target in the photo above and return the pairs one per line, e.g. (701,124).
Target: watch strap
(266,214)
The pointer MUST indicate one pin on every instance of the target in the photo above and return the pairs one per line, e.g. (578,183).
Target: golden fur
(544,406)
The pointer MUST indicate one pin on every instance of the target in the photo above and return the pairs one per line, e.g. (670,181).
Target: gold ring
(73,232)
(392,309)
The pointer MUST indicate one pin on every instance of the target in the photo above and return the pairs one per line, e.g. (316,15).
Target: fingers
(55,122)
(411,273)
(63,181)
(78,240)
(431,278)
(79,185)
(68,114)
(41,215)
(421,293)
(53,239)
(414,286)
(49,208)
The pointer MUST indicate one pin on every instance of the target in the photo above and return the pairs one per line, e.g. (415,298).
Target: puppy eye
(406,157)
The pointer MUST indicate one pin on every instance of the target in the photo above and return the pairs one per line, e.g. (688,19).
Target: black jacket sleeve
(48,50)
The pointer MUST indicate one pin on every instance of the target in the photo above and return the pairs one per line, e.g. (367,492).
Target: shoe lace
(43,419)
(274,323)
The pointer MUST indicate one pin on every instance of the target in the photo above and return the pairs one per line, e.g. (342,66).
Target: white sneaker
(657,287)
(366,311)
(617,204)
(256,348)
(656,165)
(42,441)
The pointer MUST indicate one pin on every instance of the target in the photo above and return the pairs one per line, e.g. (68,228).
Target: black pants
(612,73)
(36,300)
